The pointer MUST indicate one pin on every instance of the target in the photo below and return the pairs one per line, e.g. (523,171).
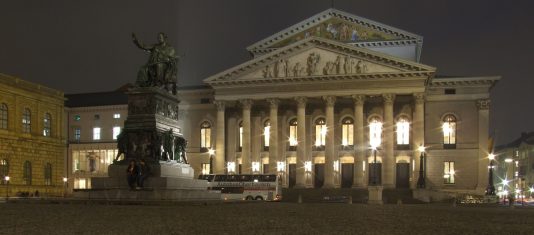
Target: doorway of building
(318,181)
(292,175)
(347,175)
(403,175)
(378,174)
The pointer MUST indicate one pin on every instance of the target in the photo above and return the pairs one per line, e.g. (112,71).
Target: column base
(375,195)
(330,186)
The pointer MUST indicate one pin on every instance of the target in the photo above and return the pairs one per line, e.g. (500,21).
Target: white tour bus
(246,187)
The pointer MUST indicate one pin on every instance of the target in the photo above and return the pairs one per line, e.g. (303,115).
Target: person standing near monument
(144,172)
(131,174)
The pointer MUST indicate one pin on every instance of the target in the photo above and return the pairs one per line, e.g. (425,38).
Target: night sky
(85,46)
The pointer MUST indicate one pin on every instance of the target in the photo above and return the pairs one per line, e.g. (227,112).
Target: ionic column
(301,142)
(219,163)
(483,161)
(388,162)
(329,145)
(359,141)
(273,135)
(245,150)
(418,130)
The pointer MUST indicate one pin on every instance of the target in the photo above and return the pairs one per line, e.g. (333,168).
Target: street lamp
(421,181)
(7,186)
(211,152)
(65,186)
(374,180)
(490,190)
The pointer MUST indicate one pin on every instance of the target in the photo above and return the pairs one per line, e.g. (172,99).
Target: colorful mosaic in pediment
(339,30)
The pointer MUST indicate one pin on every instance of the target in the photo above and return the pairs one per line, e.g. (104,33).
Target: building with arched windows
(32,147)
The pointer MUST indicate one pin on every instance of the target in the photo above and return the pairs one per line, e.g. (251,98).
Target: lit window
(448,172)
(403,131)
(48,174)
(117,115)
(116,131)
(96,133)
(266,134)
(47,124)
(320,132)
(77,117)
(77,133)
(205,135)
(347,132)
(375,132)
(205,168)
(293,133)
(26,121)
(27,173)
(4,170)
(3,116)
(449,130)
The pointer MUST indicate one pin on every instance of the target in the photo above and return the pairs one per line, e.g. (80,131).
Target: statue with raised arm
(162,66)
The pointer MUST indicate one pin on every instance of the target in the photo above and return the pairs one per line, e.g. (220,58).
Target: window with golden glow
(48,174)
(205,168)
(3,116)
(375,132)
(448,172)
(293,132)
(266,135)
(27,173)
(449,131)
(403,131)
(347,132)
(26,121)
(320,132)
(205,135)
(47,124)
(4,170)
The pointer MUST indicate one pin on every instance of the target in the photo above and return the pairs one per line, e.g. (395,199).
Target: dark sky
(85,46)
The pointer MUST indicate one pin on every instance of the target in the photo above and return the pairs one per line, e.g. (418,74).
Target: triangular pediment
(319,59)
(335,25)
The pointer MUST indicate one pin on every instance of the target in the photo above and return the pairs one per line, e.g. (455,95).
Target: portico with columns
(310,109)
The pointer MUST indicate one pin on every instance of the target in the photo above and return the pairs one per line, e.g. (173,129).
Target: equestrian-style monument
(151,133)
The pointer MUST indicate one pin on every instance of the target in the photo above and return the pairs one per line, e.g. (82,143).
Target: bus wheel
(259,198)
(248,198)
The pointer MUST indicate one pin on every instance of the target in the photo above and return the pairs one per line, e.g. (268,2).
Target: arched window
(320,133)
(205,136)
(293,134)
(266,135)
(47,124)
(403,131)
(26,121)
(48,174)
(375,132)
(4,170)
(27,173)
(240,136)
(347,132)
(449,131)
(3,116)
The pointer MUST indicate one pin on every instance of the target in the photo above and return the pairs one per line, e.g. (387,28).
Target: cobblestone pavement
(262,218)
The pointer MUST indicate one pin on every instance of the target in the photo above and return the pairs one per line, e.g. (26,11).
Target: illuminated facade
(31,138)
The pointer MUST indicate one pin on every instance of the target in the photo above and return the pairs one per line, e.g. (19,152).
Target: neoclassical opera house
(319,99)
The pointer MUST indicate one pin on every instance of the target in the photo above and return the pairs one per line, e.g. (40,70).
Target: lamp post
(375,169)
(490,190)
(211,152)
(7,187)
(65,186)
(421,180)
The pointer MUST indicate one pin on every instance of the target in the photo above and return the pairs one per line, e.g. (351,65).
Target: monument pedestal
(375,195)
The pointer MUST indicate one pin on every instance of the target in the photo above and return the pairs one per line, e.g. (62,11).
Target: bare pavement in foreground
(263,218)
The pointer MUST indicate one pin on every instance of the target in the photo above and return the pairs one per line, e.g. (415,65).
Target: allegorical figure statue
(162,66)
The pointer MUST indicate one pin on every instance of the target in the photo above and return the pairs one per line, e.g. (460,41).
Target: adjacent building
(32,141)
(515,166)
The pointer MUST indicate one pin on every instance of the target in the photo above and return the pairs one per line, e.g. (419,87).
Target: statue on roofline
(162,67)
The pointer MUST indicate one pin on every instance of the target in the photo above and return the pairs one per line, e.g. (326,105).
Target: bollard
(350,200)
(300,198)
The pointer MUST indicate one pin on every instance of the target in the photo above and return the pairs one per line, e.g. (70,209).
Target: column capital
(246,103)
(221,104)
(359,99)
(273,102)
(301,101)
(330,100)
(388,98)
(483,104)
(419,98)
